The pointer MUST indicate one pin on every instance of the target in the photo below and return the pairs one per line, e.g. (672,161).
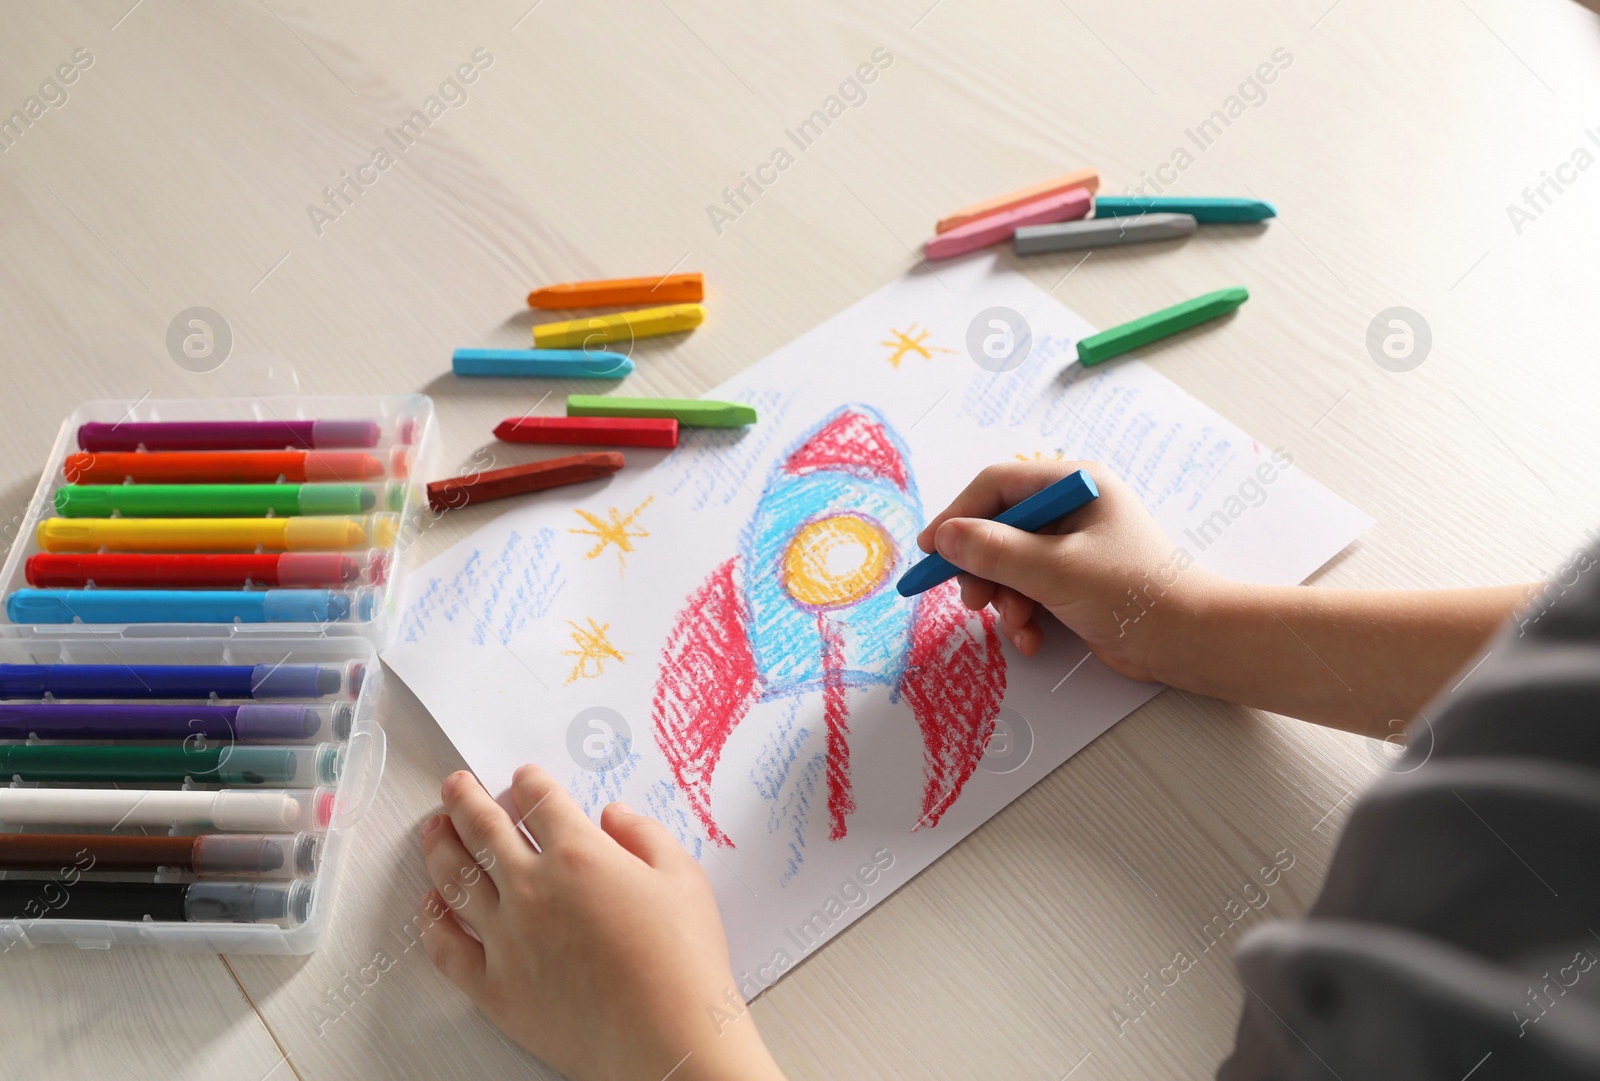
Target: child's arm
(1352,659)
(603,953)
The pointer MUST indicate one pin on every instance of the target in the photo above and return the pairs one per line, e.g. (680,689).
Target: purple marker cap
(269,723)
(327,434)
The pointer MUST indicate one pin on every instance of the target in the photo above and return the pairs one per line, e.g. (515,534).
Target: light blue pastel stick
(541,363)
(186,606)
(1205,209)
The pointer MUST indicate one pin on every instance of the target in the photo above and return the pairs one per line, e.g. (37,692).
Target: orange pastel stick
(1087,179)
(672,289)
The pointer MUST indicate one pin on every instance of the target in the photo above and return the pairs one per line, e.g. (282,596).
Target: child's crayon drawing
(807,609)
(796,705)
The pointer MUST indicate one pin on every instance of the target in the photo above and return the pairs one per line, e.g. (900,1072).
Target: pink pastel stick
(993,228)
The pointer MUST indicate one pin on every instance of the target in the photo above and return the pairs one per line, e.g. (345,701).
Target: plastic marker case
(299,696)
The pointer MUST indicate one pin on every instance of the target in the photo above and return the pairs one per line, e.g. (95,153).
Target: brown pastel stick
(521,479)
(1087,179)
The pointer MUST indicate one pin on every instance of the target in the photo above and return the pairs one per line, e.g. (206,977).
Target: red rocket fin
(955,680)
(706,686)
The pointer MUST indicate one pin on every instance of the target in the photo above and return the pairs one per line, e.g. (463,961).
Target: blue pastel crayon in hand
(541,363)
(1034,513)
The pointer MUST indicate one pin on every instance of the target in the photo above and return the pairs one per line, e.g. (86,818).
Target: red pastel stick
(298,570)
(521,479)
(225,466)
(594,431)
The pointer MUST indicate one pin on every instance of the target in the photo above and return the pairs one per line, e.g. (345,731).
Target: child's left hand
(603,953)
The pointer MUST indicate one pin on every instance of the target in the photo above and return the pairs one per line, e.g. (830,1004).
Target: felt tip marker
(216,500)
(590,431)
(263,722)
(201,681)
(671,289)
(231,435)
(39,606)
(149,570)
(236,764)
(622,327)
(271,855)
(688,412)
(215,534)
(285,903)
(233,810)
(228,466)
(1066,495)
(542,363)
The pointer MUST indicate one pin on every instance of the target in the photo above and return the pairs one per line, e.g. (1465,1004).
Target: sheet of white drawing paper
(713,635)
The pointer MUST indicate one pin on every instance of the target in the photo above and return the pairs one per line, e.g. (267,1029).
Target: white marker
(231,809)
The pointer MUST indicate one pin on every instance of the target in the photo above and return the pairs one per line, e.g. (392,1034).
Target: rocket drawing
(808,607)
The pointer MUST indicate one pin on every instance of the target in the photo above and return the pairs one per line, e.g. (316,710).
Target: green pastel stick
(690,412)
(1157,325)
(212,500)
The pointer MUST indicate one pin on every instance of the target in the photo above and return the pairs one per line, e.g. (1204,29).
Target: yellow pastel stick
(622,327)
(212,534)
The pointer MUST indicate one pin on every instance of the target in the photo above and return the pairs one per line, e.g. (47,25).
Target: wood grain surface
(179,168)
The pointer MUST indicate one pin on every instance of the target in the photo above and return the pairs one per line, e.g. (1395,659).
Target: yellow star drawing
(616,531)
(1041,456)
(904,344)
(593,647)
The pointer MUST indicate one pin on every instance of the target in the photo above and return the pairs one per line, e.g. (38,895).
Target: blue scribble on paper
(712,463)
(1096,415)
(789,783)
(665,804)
(495,597)
(593,789)
(1010,398)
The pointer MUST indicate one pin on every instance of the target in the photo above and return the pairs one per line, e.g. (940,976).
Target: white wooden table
(177,171)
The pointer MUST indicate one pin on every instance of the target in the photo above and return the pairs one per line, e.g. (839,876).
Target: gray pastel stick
(1102,232)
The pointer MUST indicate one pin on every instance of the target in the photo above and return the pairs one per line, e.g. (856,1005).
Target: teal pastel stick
(541,363)
(1215,210)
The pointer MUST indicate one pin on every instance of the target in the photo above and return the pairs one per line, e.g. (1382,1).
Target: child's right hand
(1106,571)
